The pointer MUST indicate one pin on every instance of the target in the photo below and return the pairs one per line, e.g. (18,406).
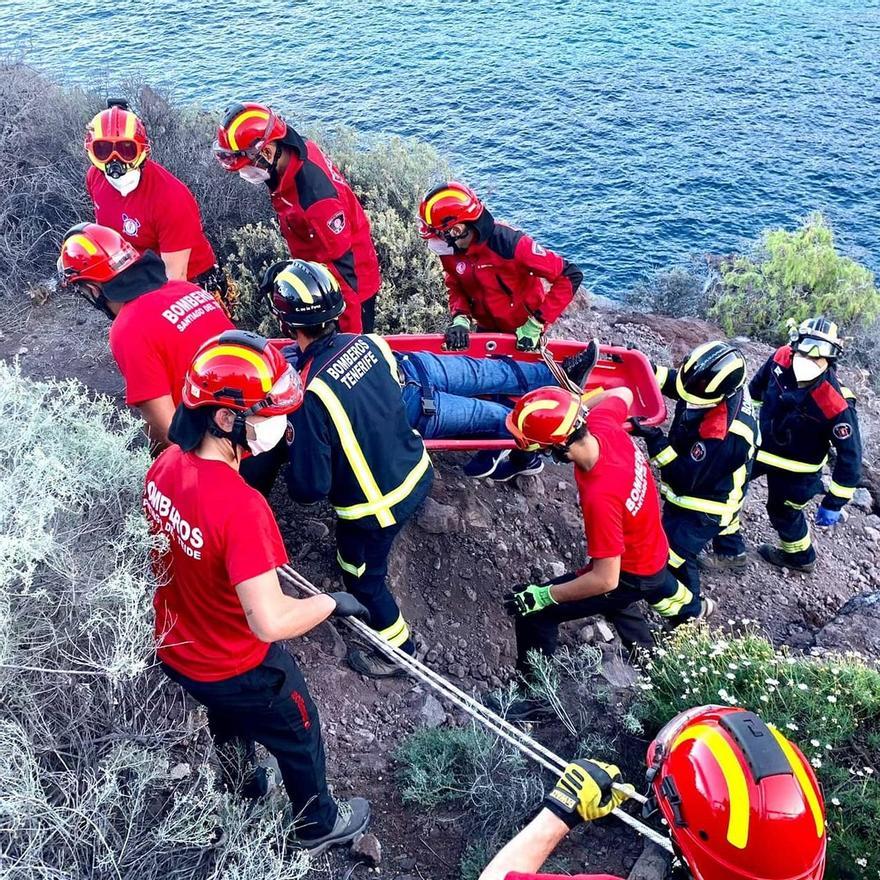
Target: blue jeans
(453,383)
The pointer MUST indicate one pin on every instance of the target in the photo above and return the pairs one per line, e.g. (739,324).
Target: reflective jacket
(706,458)
(321,219)
(350,441)
(800,425)
(505,277)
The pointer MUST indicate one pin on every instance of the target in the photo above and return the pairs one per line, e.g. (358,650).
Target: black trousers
(261,471)
(540,631)
(271,705)
(368,314)
(787,496)
(362,555)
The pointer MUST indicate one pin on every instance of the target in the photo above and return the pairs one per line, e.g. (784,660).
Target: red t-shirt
(155,337)
(560,877)
(161,215)
(220,532)
(618,497)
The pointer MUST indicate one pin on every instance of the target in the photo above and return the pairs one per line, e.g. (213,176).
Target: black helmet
(302,294)
(817,338)
(712,372)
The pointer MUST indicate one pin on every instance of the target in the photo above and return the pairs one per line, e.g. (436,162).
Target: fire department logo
(538,250)
(337,223)
(130,225)
(460,267)
(698,451)
(842,432)
(288,434)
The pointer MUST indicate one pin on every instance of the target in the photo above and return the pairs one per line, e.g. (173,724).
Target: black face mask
(452,240)
(115,169)
(559,454)
(95,297)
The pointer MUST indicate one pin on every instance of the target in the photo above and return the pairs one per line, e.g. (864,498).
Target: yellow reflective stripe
(383,506)
(661,374)
(98,126)
(800,773)
(354,570)
(794,505)
(723,374)
(796,546)
(87,245)
(397,633)
(355,456)
(458,195)
(130,125)
(672,606)
(592,393)
(847,392)
(736,495)
(675,560)
(741,429)
(665,457)
(297,284)
(697,353)
(570,416)
(842,491)
(534,406)
(701,505)
(243,117)
(246,354)
(789,464)
(693,398)
(731,769)
(385,348)
(733,528)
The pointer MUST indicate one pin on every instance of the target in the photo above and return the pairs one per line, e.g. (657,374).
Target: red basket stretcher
(617,367)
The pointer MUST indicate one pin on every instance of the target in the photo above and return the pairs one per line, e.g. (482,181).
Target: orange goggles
(126,150)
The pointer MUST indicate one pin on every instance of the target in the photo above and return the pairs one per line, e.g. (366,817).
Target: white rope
(518,738)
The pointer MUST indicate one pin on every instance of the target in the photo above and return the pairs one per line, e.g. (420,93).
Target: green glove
(529,335)
(528,600)
(585,792)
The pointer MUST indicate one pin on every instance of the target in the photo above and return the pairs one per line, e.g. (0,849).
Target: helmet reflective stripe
(697,353)
(803,780)
(246,354)
(329,277)
(96,124)
(243,117)
(534,406)
(738,824)
(444,193)
(86,244)
(130,124)
(297,284)
(692,398)
(735,364)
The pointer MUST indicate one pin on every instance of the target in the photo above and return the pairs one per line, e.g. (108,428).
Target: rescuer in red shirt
(142,200)
(738,799)
(320,217)
(625,539)
(220,611)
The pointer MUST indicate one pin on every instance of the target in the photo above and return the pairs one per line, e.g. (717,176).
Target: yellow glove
(584,792)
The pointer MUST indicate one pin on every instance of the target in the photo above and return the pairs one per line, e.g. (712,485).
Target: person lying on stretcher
(443,396)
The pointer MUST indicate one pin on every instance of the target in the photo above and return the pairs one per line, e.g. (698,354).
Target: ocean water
(626,135)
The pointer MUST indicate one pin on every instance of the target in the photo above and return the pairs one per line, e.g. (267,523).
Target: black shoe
(722,562)
(780,559)
(525,709)
(351,820)
(373,664)
(483,464)
(579,366)
(517,465)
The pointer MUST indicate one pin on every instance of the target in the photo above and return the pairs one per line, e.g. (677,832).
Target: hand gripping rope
(530,747)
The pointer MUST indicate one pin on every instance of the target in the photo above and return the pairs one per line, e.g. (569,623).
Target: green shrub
(829,706)
(793,275)
(679,291)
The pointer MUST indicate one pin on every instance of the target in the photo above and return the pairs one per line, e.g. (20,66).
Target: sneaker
(579,366)
(351,820)
(780,559)
(521,465)
(484,463)
(525,709)
(373,664)
(721,562)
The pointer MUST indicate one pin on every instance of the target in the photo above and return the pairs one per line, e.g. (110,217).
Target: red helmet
(741,801)
(446,205)
(545,417)
(246,128)
(93,253)
(243,372)
(116,134)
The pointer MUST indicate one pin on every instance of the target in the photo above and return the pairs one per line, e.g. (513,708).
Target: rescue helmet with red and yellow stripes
(93,253)
(545,417)
(247,127)
(116,135)
(446,206)
(242,371)
(741,801)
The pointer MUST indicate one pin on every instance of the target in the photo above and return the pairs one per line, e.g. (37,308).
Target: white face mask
(253,175)
(438,246)
(806,369)
(127,183)
(267,433)
(700,405)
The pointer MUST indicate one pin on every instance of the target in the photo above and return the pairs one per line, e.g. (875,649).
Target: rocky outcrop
(856,627)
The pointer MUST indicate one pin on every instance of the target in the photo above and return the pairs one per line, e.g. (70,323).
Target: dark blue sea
(627,135)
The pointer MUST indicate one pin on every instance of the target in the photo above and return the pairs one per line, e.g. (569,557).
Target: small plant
(793,275)
(679,291)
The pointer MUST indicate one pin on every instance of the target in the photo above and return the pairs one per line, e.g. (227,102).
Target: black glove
(639,429)
(348,606)
(458,334)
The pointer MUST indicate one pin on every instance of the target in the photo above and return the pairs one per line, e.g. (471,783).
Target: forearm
(296,617)
(590,583)
(528,851)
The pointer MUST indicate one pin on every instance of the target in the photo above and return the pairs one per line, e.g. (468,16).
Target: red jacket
(505,276)
(321,219)
(560,877)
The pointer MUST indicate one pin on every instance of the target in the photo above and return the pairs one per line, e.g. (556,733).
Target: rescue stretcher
(617,367)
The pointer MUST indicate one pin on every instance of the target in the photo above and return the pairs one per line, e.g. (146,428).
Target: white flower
(835,801)
(869,770)
(731,676)
(771,681)
(732,666)
(815,743)
(791,726)
(816,763)
(802,686)
(832,698)
(703,670)
(862,863)
(765,698)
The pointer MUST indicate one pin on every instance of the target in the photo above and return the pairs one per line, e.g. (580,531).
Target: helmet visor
(286,394)
(234,160)
(816,347)
(126,150)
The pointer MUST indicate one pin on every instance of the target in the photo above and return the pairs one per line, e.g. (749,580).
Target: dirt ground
(451,567)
